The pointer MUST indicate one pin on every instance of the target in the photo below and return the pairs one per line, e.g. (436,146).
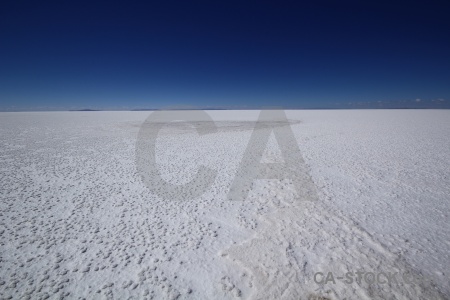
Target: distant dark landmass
(271,108)
(85,109)
(196,108)
(144,109)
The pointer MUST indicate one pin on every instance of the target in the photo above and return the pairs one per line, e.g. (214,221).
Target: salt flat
(76,220)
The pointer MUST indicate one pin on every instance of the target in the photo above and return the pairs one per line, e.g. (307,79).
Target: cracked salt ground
(298,241)
(76,221)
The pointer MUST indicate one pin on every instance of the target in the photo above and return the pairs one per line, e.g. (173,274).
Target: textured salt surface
(76,221)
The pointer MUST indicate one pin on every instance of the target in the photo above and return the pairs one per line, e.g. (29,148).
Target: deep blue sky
(126,55)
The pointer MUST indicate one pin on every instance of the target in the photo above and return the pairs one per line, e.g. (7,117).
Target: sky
(121,55)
